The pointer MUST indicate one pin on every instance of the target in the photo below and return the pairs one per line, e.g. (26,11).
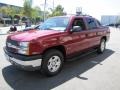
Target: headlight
(24,44)
(24,48)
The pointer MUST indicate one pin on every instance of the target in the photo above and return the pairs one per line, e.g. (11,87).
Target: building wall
(3,4)
(110,19)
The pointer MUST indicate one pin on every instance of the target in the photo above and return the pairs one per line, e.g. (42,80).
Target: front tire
(52,62)
(102,46)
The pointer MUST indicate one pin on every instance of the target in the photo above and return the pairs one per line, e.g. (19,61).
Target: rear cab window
(91,23)
(98,23)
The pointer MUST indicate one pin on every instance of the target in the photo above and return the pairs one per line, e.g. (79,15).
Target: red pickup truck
(47,46)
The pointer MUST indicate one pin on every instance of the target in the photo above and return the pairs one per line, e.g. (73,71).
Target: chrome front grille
(10,45)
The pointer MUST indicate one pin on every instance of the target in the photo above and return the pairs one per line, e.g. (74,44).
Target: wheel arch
(60,48)
(104,37)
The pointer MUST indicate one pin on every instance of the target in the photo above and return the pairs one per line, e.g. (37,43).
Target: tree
(12,13)
(58,11)
(4,10)
(27,8)
(8,11)
(35,14)
(31,13)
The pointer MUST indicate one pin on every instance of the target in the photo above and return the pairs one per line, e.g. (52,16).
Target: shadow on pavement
(21,80)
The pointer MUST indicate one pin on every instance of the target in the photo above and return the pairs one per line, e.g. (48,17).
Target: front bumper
(29,63)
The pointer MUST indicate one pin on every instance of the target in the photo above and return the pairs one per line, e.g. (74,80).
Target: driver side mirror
(76,29)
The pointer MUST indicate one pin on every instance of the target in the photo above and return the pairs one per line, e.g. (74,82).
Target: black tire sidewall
(99,48)
(46,57)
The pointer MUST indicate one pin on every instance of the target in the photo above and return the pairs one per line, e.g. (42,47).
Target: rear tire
(102,46)
(52,62)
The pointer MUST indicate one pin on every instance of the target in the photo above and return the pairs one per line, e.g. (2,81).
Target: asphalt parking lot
(91,72)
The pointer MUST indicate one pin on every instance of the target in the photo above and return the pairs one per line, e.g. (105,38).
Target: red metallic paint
(41,40)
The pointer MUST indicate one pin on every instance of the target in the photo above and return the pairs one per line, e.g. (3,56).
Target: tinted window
(79,22)
(99,24)
(55,23)
(91,23)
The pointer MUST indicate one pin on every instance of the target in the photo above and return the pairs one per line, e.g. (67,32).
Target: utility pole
(53,5)
(44,16)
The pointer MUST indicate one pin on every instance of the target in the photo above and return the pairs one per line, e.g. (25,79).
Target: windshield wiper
(45,29)
(48,29)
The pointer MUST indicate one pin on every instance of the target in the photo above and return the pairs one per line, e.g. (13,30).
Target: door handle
(86,35)
(98,34)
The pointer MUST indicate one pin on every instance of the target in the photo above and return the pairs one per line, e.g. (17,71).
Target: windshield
(55,23)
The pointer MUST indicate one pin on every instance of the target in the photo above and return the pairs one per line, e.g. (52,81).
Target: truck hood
(32,34)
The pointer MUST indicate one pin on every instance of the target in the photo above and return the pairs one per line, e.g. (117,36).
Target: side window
(91,23)
(99,24)
(79,22)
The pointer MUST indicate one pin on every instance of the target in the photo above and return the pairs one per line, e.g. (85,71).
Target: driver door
(78,41)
